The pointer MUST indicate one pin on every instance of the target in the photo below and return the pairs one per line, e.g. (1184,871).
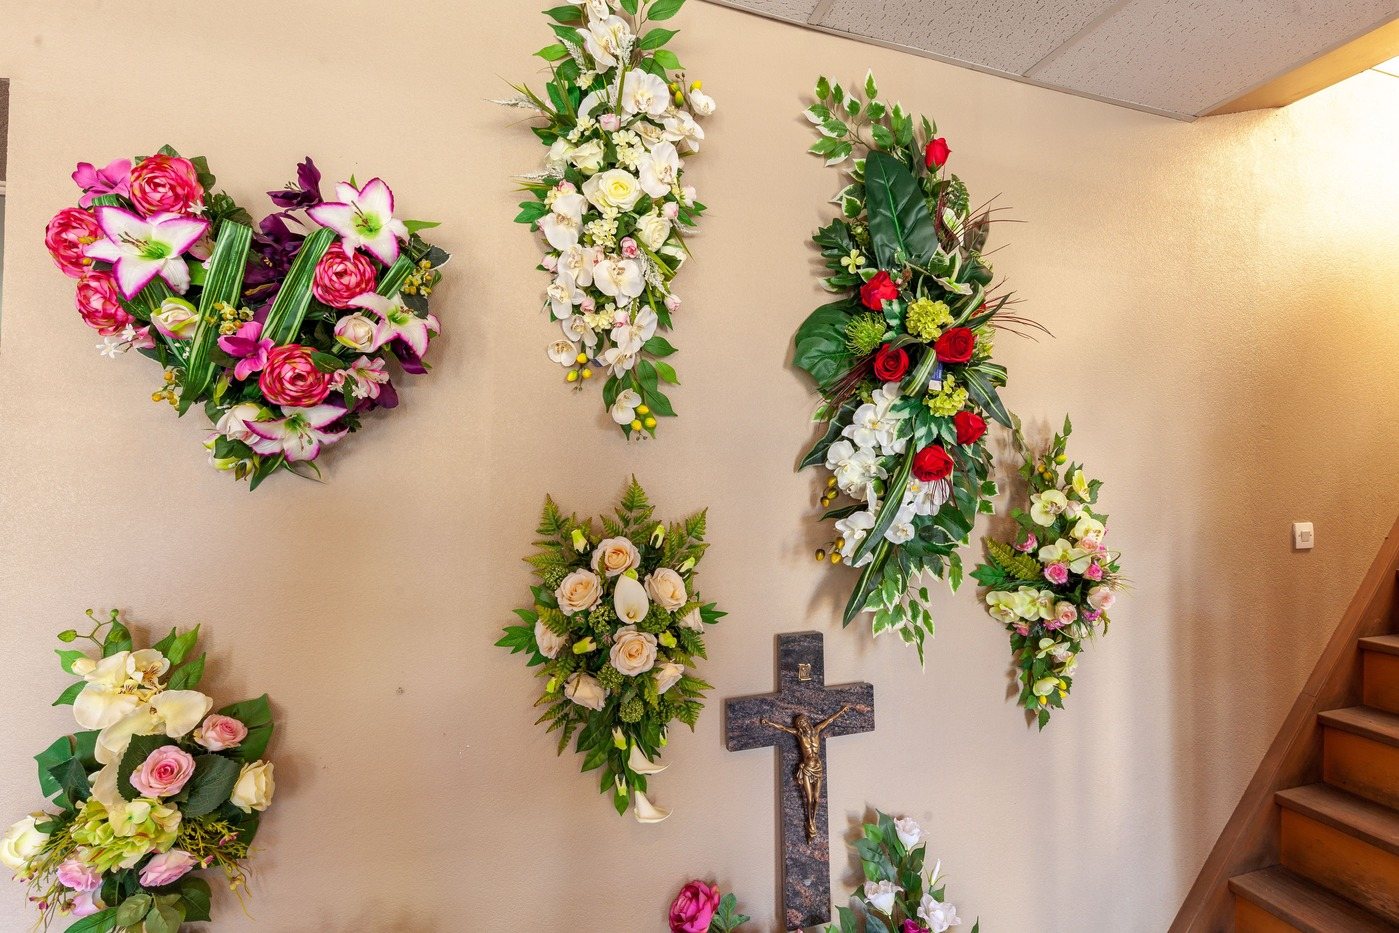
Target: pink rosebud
(1021,628)
(1057,573)
(672,302)
(219,733)
(609,122)
(167,868)
(694,908)
(1027,545)
(629,248)
(79,876)
(550,263)
(164,773)
(1094,571)
(565,187)
(670,210)
(589,305)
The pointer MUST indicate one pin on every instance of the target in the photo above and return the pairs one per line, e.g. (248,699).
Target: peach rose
(666,588)
(633,652)
(580,591)
(615,556)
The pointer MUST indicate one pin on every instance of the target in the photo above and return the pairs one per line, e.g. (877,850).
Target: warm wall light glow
(1390,67)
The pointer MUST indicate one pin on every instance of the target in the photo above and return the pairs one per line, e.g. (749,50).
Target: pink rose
(167,868)
(1101,598)
(79,876)
(67,235)
(164,772)
(99,303)
(166,183)
(1027,545)
(1057,573)
(219,733)
(629,248)
(694,908)
(290,378)
(1094,572)
(340,279)
(85,905)
(1065,613)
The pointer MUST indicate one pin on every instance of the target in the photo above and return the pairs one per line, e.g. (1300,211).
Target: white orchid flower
(576,329)
(927,498)
(173,713)
(1059,552)
(618,278)
(644,93)
(563,352)
(623,410)
(620,363)
(576,262)
(854,467)
(876,424)
(364,219)
(648,812)
(142,248)
(630,600)
(659,170)
(560,231)
(702,103)
(681,128)
(606,39)
(563,298)
(638,762)
(902,528)
(632,336)
(853,528)
(1046,506)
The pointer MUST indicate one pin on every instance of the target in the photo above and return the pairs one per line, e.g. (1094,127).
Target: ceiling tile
(1007,35)
(1185,56)
(798,11)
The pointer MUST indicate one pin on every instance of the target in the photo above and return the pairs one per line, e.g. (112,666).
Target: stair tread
(1387,644)
(1365,820)
(1364,721)
(1308,907)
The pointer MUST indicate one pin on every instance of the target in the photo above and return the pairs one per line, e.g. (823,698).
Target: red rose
(878,290)
(970,427)
(340,278)
(955,345)
(67,235)
(290,378)
(694,908)
(932,463)
(99,303)
(936,153)
(890,364)
(165,183)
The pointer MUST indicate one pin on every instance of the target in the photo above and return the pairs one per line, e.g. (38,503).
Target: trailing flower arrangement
(902,359)
(900,895)
(611,205)
(1053,586)
(615,631)
(155,789)
(699,908)
(283,335)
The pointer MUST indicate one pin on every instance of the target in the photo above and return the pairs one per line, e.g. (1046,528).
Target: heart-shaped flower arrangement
(282,334)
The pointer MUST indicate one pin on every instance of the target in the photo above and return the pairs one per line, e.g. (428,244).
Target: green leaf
(871,89)
(553,53)
(165,917)
(667,59)
(187,676)
(664,9)
(118,639)
(823,88)
(80,745)
(255,744)
(667,373)
(900,224)
(657,346)
(67,697)
(100,922)
(211,785)
(283,322)
(251,713)
(72,778)
(565,14)
(134,909)
(394,277)
(413,226)
(326,362)
(66,659)
(222,285)
(821,349)
(656,38)
(629,6)
(181,646)
(194,891)
(817,454)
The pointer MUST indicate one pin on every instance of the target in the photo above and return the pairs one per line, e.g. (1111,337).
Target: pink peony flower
(1057,573)
(694,908)
(162,183)
(67,236)
(219,733)
(1027,545)
(291,378)
(99,303)
(249,347)
(79,876)
(167,868)
(164,773)
(114,179)
(341,278)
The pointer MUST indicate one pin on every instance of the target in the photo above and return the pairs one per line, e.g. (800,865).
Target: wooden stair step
(1379,659)
(1377,725)
(1365,820)
(1344,843)
(1304,906)
(1384,644)
(1360,753)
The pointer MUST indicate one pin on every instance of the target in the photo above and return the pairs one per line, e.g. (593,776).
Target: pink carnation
(164,773)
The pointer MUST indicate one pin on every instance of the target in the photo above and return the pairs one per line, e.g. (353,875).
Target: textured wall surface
(1222,295)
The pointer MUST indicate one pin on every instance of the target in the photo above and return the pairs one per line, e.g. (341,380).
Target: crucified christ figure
(810,771)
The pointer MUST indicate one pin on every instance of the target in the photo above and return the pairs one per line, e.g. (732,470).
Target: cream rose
(667,588)
(21,843)
(1101,598)
(585,690)
(668,675)
(587,158)
(633,652)
(358,332)
(693,620)
(653,230)
(580,591)
(549,644)
(614,188)
(615,556)
(254,788)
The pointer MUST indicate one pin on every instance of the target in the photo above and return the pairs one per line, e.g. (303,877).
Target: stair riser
(1382,681)
(1250,918)
(1362,766)
(1354,869)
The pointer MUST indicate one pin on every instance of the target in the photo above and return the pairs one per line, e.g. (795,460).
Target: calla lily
(639,763)
(364,218)
(648,812)
(400,323)
(299,435)
(141,249)
(630,600)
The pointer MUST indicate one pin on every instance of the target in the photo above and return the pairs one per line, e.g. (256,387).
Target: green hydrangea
(926,318)
(949,401)
(145,825)
(657,620)
(610,677)
(864,333)
(633,710)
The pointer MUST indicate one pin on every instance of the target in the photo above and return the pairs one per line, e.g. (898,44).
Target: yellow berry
(643,410)
(835,558)
(840,543)
(1061,459)
(650,422)
(696,85)
(636,425)
(572,375)
(581,358)
(157,396)
(831,482)
(821,555)
(679,98)
(587,374)
(1044,701)
(169,376)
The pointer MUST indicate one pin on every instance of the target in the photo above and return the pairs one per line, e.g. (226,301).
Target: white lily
(630,600)
(648,812)
(638,762)
(364,219)
(141,249)
(399,320)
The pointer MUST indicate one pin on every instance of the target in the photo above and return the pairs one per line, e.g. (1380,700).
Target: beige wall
(1223,299)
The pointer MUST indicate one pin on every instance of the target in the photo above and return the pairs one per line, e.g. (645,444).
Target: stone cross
(797,720)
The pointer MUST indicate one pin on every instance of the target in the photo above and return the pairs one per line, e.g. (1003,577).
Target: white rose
(558,156)
(668,675)
(616,188)
(254,788)
(587,158)
(881,895)
(653,229)
(549,644)
(615,556)
(357,332)
(667,588)
(580,591)
(585,690)
(234,422)
(910,833)
(21,842)
(702,104)
(633,652)
(1101,598)
(938,916)
(630,601)
(176,318)
(693,620)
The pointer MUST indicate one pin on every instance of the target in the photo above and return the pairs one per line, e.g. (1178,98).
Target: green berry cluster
(632,710)
(610,677)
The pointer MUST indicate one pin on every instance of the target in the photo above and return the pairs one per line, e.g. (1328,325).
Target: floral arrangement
(615,631)
(1053,586)
(283,335)
(611,204)
(902,359)
(699,908)
(900,894)
(157,788)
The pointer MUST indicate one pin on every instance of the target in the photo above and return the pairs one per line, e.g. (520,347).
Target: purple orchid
(275,245)
(364,218)
(142,248)
(298,436)
(305,193)
(115,178)
(249,347)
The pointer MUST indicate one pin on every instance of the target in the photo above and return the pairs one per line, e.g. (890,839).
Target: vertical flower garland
(902,358)
(611,204)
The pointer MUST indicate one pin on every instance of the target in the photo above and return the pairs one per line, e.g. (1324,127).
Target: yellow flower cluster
(950,400)
(926,319)
(420,281)
(230,318)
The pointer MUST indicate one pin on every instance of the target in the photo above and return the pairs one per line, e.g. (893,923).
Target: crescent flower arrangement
(155,789)
(611,205)
(283,335)
(1052,587)
(614,632)
(902,359)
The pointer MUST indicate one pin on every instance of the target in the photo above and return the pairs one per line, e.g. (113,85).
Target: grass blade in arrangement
(395,276)
(223,285)
(289,308)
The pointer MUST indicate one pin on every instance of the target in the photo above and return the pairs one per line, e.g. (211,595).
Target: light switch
(1302,536)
